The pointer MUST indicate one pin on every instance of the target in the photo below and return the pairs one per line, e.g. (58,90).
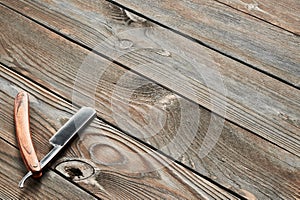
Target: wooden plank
(284,14)
(240,161)
(48,187)
(104,161)
(234,33)
(250,99)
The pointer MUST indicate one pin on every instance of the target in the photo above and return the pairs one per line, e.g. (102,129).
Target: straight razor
(76,123)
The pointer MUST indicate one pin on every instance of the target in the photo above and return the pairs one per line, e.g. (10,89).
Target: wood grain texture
(281,13)
(232,32)
(242,95)
(12,170)
(240,160)
(120,167)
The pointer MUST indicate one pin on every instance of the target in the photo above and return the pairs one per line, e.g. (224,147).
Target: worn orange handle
(24,136)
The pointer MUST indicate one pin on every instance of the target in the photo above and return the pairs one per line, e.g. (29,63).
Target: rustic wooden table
(195,99)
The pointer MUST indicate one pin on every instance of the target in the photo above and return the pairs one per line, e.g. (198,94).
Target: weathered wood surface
(104,161)
(236,34)
(239,161)
(284,14)
(246,98)
(12,170)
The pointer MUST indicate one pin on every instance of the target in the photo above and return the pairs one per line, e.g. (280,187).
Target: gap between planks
(239,48)
(233,114)
(12,170)
(185,184)
(13,145)
(78,49)
(286,19)
(121,131)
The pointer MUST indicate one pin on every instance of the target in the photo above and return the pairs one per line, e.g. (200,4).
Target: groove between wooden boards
(257,17)
(207,45)
(120,64)
(28,21)
(54,171)
(125,133)
(8,71)
(48,168)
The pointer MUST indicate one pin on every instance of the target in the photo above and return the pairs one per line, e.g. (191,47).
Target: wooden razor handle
(27,150)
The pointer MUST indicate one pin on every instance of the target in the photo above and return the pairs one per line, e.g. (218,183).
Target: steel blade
(74,124)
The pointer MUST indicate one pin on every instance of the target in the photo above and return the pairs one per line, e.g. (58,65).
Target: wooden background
(195,99)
